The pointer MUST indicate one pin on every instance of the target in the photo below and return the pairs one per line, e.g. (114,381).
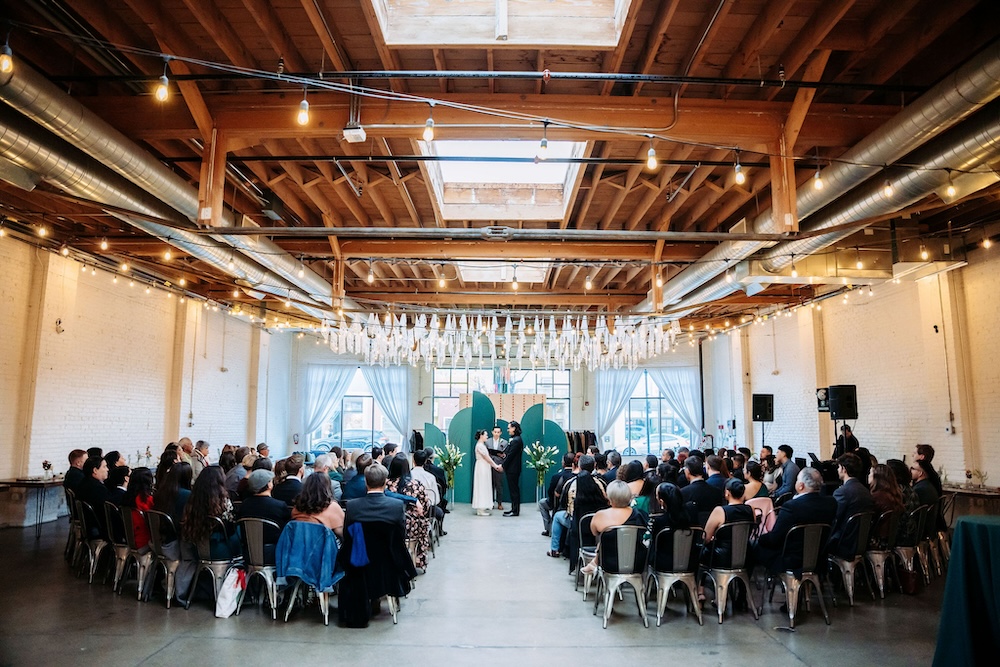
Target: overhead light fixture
(950,190)
(514,283)
(729,276)
(543,145)
(429,125)
(795,273)
(302,269)
(371,273)
(232,262)
(64,250)
(43,231)
(986,240)
(589,284)
(6,59)
(887,189)
(104,243)
(741,178)
(441,282)
(302,118)
(923,253)
(659,280)
(182,282)
(859,263)
(817,180)
(167,255)
(651,161)
(93,271)
(236,293)
(162,91)
(124,267)
(354,133)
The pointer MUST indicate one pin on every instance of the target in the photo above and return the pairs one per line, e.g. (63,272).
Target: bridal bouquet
(540,458)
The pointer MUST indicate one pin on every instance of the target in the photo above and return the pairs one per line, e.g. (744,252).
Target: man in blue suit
(853,497)
(789,471)
(808,506)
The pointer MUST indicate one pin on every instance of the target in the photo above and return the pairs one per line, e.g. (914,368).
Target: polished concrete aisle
(491,597)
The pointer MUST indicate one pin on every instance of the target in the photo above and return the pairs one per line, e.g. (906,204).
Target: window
(648,425)
(358,423)
(450,383)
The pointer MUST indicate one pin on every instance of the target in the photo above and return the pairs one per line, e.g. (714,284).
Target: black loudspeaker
(763,407)
(843,402)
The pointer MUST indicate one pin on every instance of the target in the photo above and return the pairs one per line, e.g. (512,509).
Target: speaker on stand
(762,409)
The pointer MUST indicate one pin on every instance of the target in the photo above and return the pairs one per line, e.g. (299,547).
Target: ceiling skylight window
(507,183)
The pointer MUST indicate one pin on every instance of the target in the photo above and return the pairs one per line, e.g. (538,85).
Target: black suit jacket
(807,508)
(287,490)
(94,493)
(512,459)
(375,507)
(701,498)
(611,475)
(852,497)
(266,507)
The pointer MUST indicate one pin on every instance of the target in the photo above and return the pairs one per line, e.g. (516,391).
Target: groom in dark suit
(512,467)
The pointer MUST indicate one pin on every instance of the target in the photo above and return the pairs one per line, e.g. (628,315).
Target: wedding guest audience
(260,505)
(927,492)
(95,451)
(926,453)
(238,471)
(886,496)
(263,451)
(167,459)
(600,463)
(738,468)
(115,459)
(439,475)
(665,472)
(323,465)
(807,506)
(649,462)
(620,513)
(199,458)
(641,488)
(171,497)
(771,472)
(417,514)
(614,461)
(209,499)
(853,497)
(717,551)
(74,474)
(279,472)
(389,451)
(258,464)
(561,518)
(377,455)
(430,486)
(904,477)
(139,498)
(673,517)
(227,461)
(356,488)
(548,506)
(315,504)
(789,471)
(699,498)
(291,486)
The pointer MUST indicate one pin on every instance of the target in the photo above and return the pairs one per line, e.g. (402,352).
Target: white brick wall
(15,273)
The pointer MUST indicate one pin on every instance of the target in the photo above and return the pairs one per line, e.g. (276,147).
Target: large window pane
(648,425)
(358,423)
(450,383)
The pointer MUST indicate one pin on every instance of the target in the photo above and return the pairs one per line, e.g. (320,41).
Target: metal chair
(724,577)
(783,498)
(116,535)
(947,508)
(587,553)
(925,550)
(887,531)
(217,567)
(626,543)
(307,553)
(74,539)
(252,535)
(142,560)
(908,553)
(814,536)
(681,543)
(159,522)
(860,525)
(93,543)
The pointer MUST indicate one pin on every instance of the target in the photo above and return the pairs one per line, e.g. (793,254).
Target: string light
(43,231)
(729,276)
(6,59)
(131,283)
(114,279)
(795,273)
(104,243)
(950,190)
(148,290)
(817,180)
(651,161)
(124,267)
(93,271)
(64,250)
(371,273)
(543,145)
(236,293)
(182,282)
(589,285)
(429,125)
(923,253)
(741,178)
(986,240)
(859,263)
(302,269)
(514,283)
(302,118)
(167,255)
(162,91)
(659,280)
(232,263)
(887,189)
(441,282)
(83,269)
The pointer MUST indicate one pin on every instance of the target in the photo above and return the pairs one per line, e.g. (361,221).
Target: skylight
(503,272)
(492,189)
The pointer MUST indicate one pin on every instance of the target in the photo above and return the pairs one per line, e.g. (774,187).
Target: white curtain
(390,387)
(614,388)
(326,385)
(681,389)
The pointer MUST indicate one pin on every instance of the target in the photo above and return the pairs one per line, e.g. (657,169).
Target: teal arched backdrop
(482,415)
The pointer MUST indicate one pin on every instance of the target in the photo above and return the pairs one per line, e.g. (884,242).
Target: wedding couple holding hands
(486,478)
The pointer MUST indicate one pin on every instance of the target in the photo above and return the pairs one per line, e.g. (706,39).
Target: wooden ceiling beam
(509,250)
(267,19)
(763,28)
(612,60)
(509,298)
(216,25)
(816,29)
(654,39)
(633,173)
(877,25)
(324,26)
(588,198)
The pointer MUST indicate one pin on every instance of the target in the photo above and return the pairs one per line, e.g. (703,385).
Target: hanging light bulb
(114,279)
(167,255)
(104,243)
(147,290)
(64,250)
(923,253)
(43,231)
(859,263)
(589,284)
(162,91)
(371,273)
(817,180)
(729,276)
(6,59)
(543,145)
(302,269)
(651,161)
(986,240)
(182,282)
(83,269)
(741,178)
(236,293)
(232,263)
(887,189)
(131,283)
(302,118)
(659,281)
(795,273)
(950,190)
(514,283)
(441,282)
(124,267)
(429,125)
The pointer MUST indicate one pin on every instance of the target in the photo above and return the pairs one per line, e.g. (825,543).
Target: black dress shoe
(509,513)
(443,533)
(546,533)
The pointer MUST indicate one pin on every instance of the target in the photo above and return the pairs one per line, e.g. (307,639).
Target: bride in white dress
(482,477)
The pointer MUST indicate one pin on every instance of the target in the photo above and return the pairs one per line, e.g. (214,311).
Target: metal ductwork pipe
(973,144)
(40,100)
(957,96)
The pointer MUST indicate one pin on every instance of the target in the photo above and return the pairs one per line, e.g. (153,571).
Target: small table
(41,486)
(969,630)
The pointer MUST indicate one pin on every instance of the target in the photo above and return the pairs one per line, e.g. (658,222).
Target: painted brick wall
(15,273)
(274,386)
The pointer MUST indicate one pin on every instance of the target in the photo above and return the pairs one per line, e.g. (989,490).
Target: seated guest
(238,472)
(904,477)
(227,461)
(666,472)
(74,474)
(441,478)
(315,504)
(699,498)
(139,498)
(853,497)
(755,487)
(115,459)
(886,497)
(377,454)
(718,547)
(621,513)
(279,472)
(789,471)
(117,483)
(263,451)
(561,518)
(258,464)
(672,517)
(430,486)
(356,488)
(389,451)
(167,459)
(600,463)
(738,468)
(95,451)
(323,465)
(418,513)
(586,493)
(209,499)
(649,462)
(807,506)
(927,493)
(548,505)
(171,497)
(718,472)
(334,471)
(292,484)
(260,505)
(772,472)
(199,458)
(614,462)
(633,476)
(93,492)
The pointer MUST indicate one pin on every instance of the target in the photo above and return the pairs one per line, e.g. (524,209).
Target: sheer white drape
(681,389)
(326,385)
(390,387)
(614,388)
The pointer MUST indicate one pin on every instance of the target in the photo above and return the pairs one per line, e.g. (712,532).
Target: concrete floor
(491,597)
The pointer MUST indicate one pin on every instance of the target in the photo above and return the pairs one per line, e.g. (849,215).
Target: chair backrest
(587,538)
(813,537)
(88,519)
(740,533)
(309,551)
(126,514)
(158,522)
(886,529)
(918,520)
(783,498)
(860,524)
(946,506)
(204,545)
(763,509)
(116,528)
(625,542)
(680,542)
(252,536)
(71,505)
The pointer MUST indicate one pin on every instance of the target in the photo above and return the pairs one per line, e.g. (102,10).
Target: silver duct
(36,97)
(954,98)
